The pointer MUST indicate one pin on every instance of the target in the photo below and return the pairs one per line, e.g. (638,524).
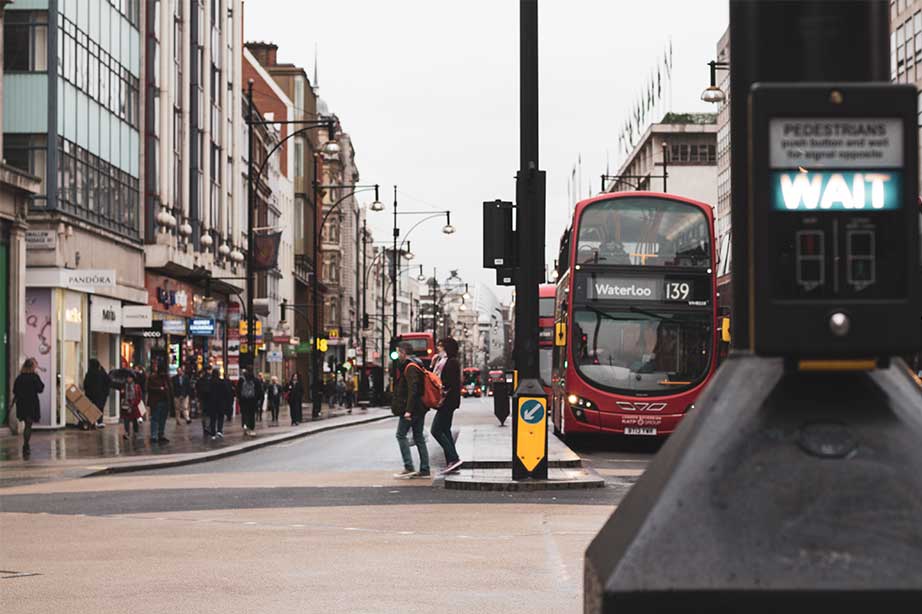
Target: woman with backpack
(451,400)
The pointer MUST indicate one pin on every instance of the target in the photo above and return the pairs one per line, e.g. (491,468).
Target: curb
(458,482)
(231,451)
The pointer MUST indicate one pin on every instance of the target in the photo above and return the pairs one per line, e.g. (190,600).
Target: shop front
(105,341)
(71,315)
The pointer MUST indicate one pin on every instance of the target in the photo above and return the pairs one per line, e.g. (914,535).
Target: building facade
(688,144)
(193,187)
(73,117)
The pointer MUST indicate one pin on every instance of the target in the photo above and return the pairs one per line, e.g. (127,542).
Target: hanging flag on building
(266,251)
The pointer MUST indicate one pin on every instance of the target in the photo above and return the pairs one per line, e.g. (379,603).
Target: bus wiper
(604,314)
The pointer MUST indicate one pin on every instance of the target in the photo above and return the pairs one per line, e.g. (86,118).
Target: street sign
(531,434)
(834,170)
(294,341)
(322,345)
(201,327)
(274,356)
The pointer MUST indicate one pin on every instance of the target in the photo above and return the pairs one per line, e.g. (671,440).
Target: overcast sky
(428,90)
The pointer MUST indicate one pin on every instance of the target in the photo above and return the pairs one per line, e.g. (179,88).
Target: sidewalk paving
(71,452)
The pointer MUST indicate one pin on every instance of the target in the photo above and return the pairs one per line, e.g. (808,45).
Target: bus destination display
(662,288)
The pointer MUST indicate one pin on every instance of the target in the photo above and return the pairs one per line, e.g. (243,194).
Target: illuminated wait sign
(877,190)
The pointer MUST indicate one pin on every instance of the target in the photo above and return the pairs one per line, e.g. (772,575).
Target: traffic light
(364,320)
(394,354)
(283,306)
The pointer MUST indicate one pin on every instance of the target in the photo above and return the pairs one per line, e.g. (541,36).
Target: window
(96,191)
(25,42)
(299,156)
(26,152)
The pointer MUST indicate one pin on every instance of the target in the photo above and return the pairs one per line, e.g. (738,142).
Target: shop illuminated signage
(201,327)
(174,327)
(87,279)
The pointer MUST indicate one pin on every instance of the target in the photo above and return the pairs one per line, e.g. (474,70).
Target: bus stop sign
(834,234)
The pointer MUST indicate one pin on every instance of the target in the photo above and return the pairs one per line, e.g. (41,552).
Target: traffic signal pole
(529,453)
(793,484)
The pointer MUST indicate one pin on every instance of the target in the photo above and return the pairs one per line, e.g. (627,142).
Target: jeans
(158,420)
(216,424)
(441,430)
(274,408)
(418,424)
(129,423)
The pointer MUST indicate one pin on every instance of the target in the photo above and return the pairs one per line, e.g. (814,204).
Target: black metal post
(394,265)
(435,306)
(665,166)
(530,219)
(315,293)
(251,327)
(383,266)
(363,379)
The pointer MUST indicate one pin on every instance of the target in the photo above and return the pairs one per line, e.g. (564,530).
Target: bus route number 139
(678,290)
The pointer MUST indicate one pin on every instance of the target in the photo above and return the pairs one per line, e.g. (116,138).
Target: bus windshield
(656,353)
(643,231)
(420,345)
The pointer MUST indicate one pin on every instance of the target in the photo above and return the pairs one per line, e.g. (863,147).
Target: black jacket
(96,384)
(182,385)
(451,384)
(26,389)
(295,393)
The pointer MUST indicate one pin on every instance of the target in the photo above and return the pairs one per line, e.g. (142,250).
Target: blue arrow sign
(532,412)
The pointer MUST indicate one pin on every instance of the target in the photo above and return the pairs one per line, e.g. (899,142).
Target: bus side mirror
(725,329)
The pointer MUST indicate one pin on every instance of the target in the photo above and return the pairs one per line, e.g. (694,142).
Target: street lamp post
(305,125)
(316,401)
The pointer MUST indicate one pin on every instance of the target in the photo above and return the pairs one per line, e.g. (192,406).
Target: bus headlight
(577,401)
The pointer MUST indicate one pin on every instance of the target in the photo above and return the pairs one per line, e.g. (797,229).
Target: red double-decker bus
(637,298)
(546,301)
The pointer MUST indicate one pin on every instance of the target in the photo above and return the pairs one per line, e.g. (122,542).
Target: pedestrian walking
(274,399)
(408,405)
(215,404)
(96,385)
(26,388)
(260,395)
(140,378)
(228,397)
(295,392)
(159,400)
(350,393)
(248,395)
(182,391)
(202,384)
(450,372)
(130,410)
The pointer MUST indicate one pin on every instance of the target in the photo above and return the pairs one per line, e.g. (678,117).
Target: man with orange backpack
(408,406)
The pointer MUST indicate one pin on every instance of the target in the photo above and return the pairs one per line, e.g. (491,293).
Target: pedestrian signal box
(834,229)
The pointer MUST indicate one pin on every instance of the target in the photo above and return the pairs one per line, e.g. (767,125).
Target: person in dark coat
(96,385)
(248,391)
(295,391)
(274,396)
(451,400)
(26,388)
(214,403)
(130,410)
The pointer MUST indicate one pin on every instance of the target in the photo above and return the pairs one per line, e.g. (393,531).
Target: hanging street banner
(266,251)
